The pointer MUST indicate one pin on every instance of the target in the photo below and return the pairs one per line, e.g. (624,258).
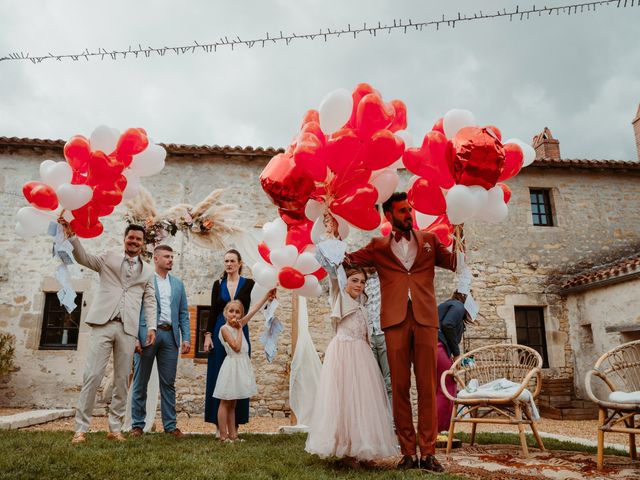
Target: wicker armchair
(517,363)
(619,369)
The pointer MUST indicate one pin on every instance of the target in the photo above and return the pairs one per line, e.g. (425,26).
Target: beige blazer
(113,285)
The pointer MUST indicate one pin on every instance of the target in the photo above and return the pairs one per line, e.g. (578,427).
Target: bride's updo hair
(354,269)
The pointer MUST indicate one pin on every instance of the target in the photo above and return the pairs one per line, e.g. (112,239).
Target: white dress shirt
(164,293)
(405,251)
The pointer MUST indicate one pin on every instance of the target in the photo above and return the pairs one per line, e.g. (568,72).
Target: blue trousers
(165,352)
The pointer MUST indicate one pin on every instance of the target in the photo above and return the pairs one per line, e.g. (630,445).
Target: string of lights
(400,25)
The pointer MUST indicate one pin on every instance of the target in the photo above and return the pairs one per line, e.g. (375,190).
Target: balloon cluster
(458,166)
(438,225)
(342,162)
(98,173)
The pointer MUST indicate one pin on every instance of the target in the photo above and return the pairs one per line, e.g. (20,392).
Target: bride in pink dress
(351,417)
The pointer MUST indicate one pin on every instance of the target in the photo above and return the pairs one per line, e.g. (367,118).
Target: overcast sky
(579,74)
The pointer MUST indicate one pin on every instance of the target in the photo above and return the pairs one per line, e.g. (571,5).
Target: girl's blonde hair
(233,302)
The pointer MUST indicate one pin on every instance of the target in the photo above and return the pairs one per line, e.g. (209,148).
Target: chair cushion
(625,397)
(497,389)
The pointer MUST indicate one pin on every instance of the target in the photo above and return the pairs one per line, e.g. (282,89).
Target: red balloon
(290,278)
(86,215)
(427,197)
(357,206)
(299,235)
(385,229)
(103,170)
(77,151)
(40,195)
(372,115)
(381,150)
(104,210)
(400,119)
(84,231)
(121,183)
(344,183)
(287,185)
(442,231)
(358,93)
(438,126)
(513,158)
(311,116)
(479,157)
(78,178)
(308,155)
(320,273)
(106,195)
(342,148)
(132,142)
(495,130)
(506,191)
(431,160)
(264,252)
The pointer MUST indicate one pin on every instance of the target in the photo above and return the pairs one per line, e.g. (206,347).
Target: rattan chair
(517,363)
(619,369)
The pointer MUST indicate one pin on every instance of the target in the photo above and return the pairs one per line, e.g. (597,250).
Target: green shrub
(7,350)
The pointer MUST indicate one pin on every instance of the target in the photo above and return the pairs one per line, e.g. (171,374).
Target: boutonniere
(427,247)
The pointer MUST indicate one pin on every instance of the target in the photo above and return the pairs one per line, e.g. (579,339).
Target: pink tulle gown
(351,416)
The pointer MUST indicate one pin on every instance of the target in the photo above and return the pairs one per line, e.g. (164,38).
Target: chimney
(636,130)
(548,147)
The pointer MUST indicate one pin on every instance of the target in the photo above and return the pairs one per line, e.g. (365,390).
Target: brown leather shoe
(431,463)
(79,437)
(116,437)
(176,433)
(136,432)
(407,462)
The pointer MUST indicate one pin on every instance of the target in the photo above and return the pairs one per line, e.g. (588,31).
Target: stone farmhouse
(561,273)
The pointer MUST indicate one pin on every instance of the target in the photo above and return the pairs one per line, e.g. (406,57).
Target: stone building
(568,220)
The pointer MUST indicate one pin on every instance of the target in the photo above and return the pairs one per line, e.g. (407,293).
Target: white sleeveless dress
(236,379)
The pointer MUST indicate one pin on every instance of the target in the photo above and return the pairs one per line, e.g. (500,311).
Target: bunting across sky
(351,31)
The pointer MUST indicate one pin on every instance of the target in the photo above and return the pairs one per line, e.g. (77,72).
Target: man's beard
(402,227)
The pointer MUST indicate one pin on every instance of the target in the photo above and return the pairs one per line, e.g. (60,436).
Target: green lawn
(50,455)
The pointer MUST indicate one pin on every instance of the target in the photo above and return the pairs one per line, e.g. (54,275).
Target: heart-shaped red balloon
(320,273)
(290,278)
(478,157)
(443,229)
(431,159)
(506,192)
(344,183)
(86,215)
(86,231)
(495,130)
(357,206)
(342,149)
(438,126)
(309,156)
(285,183)
(385,229)
(372,115)
(105,195)
(132,142)
(400,117)
(513,158)
(103,169)
(77,151)
(381,150)
(358,93)
(40,195)
(300,235)
(427,197)
(264,252)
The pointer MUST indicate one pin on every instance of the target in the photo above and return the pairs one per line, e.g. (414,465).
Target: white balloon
(481,195)
(495,210)
(385,181)
(528,152)
(34,221)
(22,231)
(423,220)
(267,276)
(55,174)
(73,196)
(456,119)
(258,292)
(335,109)
(149,162)
(68,215)
(313,209)
(306,263)
(317,231)
(311,287)
(104,138)
(284,257)
(343,227)
(397,164)
(460,204)
(406,137)
(274,233)
(133,185)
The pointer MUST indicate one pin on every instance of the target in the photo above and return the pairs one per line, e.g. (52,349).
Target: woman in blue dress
(231,286)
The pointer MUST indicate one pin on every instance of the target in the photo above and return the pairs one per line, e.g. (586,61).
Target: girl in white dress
(236,378)
(351,415)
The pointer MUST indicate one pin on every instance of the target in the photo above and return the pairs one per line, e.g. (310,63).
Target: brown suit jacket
(396,280)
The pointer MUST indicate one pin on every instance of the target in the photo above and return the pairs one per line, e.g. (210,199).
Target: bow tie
(398,235)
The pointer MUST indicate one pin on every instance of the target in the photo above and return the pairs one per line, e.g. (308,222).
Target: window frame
(543,199)
(200,309)
(526,310)
(51,300)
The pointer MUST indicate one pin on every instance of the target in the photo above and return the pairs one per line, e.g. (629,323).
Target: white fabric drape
(153,392)
(305,370)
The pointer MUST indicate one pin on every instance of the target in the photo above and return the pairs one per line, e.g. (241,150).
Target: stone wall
(513,264)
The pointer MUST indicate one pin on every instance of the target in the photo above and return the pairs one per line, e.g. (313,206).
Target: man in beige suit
(125,281)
